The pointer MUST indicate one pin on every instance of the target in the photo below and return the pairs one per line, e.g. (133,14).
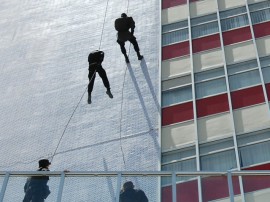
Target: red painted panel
(253,183)
(171,3)
(205,43)
(247,97)
(212,105)
(177,113)
(187,191)
(262,29)
(268,90)
(237,35)
(259,167)
(217,187)
(175,50)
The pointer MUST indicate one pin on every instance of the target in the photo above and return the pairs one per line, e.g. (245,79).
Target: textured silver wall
(44,47)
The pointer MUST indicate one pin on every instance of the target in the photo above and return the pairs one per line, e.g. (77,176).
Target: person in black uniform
(129,194)
(95,59)
(36,188)
(122,25)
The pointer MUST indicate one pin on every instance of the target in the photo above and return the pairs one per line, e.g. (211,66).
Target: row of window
(208,25)
(253,149)
(212,82)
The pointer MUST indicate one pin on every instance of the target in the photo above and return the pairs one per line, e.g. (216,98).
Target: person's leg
(136,47)
(103,75)
(123,49)
(91,76)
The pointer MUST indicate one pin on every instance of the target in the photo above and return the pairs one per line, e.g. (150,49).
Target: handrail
(132,173)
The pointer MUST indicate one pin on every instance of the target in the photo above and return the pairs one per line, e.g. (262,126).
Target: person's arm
(132,25)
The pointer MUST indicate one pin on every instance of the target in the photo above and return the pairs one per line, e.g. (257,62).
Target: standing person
(122,25)
(129,194)
(95,59)
(36,188)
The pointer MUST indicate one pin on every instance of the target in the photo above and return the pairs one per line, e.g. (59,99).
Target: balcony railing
(106,186)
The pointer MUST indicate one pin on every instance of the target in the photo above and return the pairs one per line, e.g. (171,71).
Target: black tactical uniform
(122,25)
(95,59)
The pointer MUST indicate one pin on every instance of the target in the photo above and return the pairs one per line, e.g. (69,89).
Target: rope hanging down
(121,110)
(83,92)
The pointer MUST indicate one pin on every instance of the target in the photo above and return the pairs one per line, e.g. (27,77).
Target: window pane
(174,37)
(176,96)
(178,155)
(188,165)
(232,12)
(234,22)
(252,137)
(221,161)
(210,74)
(254,154)
(215,146)
(266,74)
(203,19)
(257,6)
(210,88)
(244,80)
(265,61)
(260,16)
(204,29)
(174,26)
(239,67)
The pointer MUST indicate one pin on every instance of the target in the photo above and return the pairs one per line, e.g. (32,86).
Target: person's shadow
(133,78)
(149,83)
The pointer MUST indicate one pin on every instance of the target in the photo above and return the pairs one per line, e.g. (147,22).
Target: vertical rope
(121,110)
(84,90)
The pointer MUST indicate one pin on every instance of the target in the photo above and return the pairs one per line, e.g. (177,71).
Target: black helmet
(123,15)
(43,163)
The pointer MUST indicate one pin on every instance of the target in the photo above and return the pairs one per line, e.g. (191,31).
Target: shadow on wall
(150,84)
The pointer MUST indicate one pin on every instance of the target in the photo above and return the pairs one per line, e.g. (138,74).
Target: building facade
(215,93)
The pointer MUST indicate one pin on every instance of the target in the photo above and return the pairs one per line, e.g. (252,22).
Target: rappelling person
(122,25)
(95,59)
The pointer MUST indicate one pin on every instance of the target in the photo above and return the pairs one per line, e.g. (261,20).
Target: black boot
(89,99)
(109,93)
(140,57)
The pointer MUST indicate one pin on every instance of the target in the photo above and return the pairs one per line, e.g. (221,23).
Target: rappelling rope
(121,114)
(84,90)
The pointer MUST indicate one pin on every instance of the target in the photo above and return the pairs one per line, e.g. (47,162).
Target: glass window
(265,61)
(258,6)
(233,18)
(244,80)
(174,32)
(206,75)
(266,74)
(243,74)
(212,87)
(218,155)
(221,161)
(178,95)
(210,82)
(260,12)
(179,160)
(254,148)
(204,25)
(178,155)
(260,16)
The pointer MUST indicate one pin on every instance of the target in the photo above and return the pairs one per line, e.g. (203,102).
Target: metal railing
(117,177)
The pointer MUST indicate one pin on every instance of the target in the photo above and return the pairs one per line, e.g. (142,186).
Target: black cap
(43,163)
(123,15)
